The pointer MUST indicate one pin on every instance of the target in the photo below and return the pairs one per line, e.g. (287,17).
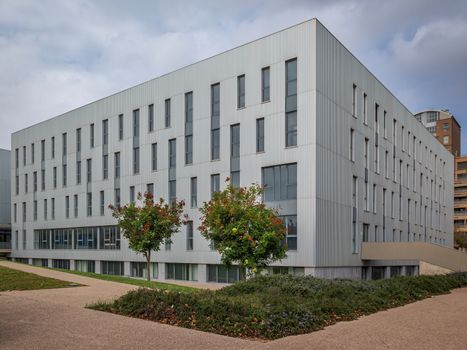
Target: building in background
(443,126)
(460,203)
(5,202)
(343,161)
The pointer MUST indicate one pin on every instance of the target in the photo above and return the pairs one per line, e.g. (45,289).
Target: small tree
(146,227)
(242,228)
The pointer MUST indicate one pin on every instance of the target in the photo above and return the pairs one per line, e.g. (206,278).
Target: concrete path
(56,319)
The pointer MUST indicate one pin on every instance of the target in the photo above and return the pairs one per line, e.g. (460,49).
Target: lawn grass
(133,281)
(271,307)
(11,279)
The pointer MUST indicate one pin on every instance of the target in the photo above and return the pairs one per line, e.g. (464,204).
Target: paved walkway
(56,319)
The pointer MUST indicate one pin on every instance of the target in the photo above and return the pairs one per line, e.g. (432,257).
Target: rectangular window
(105,132)
(35,210)
(32,153)
(78,172)
(24,212)
(280,182)
(61,264)
(154,156)
(386,164)
(260,135)
(235,155)
(136,123)
(17,185)
(241,91)
(105,167)
(91,135)
(374,198)
(132,194)
(402,138)
(52,147)
(376,118)
(89,204)
(136,160)
(64,175)
(184,272)
(117,197)
(75,205)
(101,202)
(172,191)
(366,155)
(88,170)
(354,100)
(189,128)
(189,235)
(291,103)
(167,113)
(53,209)
(194,192)
(64,144)
(78,140)
(67,207)
(365,109)
(85,266)
(15,212)
(265,84)
(215,121)
(172,153)
(109,238)
(43,150)
(151,117)
(385,131)
(117,165)
(215,183)
(290,222)
(354,213)
(222,274)
(45,209)
(24,155)
(351,145)
(150,188)
(115,268)
(120,127)
(26,183)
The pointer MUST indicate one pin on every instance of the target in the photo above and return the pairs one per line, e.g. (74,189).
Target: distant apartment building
(342,160)
(460,202)
(5,202)
(442,125)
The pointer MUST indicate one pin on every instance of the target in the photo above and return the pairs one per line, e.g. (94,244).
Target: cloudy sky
(59,55)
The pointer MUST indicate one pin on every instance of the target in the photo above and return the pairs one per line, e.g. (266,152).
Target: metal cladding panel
(337,70)
(273,51)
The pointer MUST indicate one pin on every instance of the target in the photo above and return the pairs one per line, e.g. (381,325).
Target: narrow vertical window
(24,155)
(215,183)
(64,145)
(64,175)
(265,84)
(88,170)
(136,160)
(351,146)
(215,121)
(235,155)
(354,214)
(136,123)
(354,100)
(75,205)
(120,127)
(260,135)
(117,165)
(105,167)
(291,103)
(53,209)
(89,203)
(151,118)
(43,150)
(52,147)
(385,132)
(154,156)
(105,132)
(67,207)
(78,140)
(189,235)
(101,202)
(78,172)
(117,197)
(365,109)
(241,91)
(132,194)
(189,128)
(167,113)
(32,153)
(91,135)
(193,192)
(172,170)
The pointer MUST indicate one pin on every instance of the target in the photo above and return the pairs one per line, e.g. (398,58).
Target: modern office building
(340,157)
(5,203)
(442,125)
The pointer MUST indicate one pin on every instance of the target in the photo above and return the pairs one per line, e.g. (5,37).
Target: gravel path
(56,319)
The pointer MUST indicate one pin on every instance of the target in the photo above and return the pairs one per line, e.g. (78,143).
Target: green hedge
(271,307)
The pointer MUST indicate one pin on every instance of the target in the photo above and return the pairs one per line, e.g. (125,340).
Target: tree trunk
(148,259)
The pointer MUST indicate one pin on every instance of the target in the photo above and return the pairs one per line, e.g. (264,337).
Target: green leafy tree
(146,227)
(460,240)
(242,228)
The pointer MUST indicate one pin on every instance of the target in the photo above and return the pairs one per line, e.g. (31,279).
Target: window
(64,144)
(223,274)
(101,202)
(67,207)
(402,138)
(136,160)
(45,209)
(136,123)
(26,183)
(62,239)
(365,109)
(445,126)
(43,150)
(354,213)
(193,192)
(376,118)
(366,155)
(151,117)
(445,140)
(374,198)
(15,212)
(189,128)
(150,188)
(78,172)
(32,153)
(24,155)
(112,268)
(154,156)
(241,91)
(290,222)
(109,238)
(88,170)
(215,121)
(105,132)
(431,117)
(291,103)
(260,135)
(117,197)
(35,210)
(140,269)
(280,182)
(386,164)
(24,240)
(41,240)
(105,167)
(351,146)
(385,132)
(89,204)
(78,140)
(53,209)
(167,113)
(354,100)
(172,153)
(85,266)
(215,183)
(52,147)
(184,272)
(189,235)
(172,191)
(132,194)
(235,155)
(120,127)
(91,135)
(265,84)
(75,205)
(117,165)
(64,175)
(394,133)
(61,264)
